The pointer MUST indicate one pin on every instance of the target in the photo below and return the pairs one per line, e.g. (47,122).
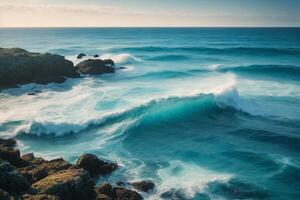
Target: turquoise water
(206,113)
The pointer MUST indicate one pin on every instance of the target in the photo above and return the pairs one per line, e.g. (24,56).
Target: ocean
(204,113)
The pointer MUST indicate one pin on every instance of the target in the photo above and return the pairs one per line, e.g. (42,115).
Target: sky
(149,13)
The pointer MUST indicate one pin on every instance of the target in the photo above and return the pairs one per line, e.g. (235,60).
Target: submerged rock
(81,55)
(144,186)
(96,66)
(96,56)
(68,184)
(174,194)
(18,66)
(94,165)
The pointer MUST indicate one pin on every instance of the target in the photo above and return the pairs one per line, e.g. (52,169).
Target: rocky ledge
(18,66)
(27,177)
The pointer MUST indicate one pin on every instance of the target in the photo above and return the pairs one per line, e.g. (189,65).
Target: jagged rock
(103,197)
(120,183)
(105,189)
(40,197)
(96,56)
(8,143)
(28,157)
(106,192)
(144,186)
(9,153)
(37,171)
(18,66)
(5,195)
(94,165)
(81,55)
(122,193)
(10,180)
(96,66)
(68,184)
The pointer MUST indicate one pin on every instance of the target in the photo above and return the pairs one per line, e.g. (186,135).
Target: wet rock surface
(18,66)
(144,186)
(96,66)
(32,178)
(107,191)
(81,55)
(67,184)
(95,166)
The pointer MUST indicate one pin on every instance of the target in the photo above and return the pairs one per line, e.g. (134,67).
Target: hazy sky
(121,13)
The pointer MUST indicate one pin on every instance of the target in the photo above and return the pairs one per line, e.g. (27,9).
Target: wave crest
(155,111)
(123,58)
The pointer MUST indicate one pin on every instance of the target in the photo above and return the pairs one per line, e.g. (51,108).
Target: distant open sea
(205,113)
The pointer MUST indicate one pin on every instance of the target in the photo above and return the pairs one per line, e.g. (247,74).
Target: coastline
(33,178)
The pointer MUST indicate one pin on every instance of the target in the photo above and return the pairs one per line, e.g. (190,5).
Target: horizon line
(5,27)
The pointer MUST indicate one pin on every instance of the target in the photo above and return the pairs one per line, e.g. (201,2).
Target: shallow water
(205,113)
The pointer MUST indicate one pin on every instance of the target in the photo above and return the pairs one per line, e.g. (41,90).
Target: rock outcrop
(144,186)
(106,192)
(96,66)
(68,184)
(30,178)
(18,66)
(40,197)
(95,166)
(81,55)
(10,180)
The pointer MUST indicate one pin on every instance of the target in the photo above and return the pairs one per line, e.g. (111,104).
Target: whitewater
(204,113)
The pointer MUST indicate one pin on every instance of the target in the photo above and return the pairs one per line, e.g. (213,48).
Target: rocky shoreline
(18,66)
(26,177)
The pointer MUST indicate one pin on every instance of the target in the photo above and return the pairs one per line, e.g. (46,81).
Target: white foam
(189,178)
(123,58)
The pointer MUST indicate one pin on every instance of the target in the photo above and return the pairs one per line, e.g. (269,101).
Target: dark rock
(18,66)
(94,165)
(10,180)
(121,67)
(8,153)
(5,195)
(174,194)
(144,186)
(39,170)
(120,183)
(8,143)
(40,197)
(122,193)
(109,62)
(81,55)
(106,191)
(96,56)
(103,197)
(28,157)
(68,184)
(96,66)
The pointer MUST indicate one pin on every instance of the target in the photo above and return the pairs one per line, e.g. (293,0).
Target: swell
(259,51)
(177,108)
(291,71)
(152,112)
